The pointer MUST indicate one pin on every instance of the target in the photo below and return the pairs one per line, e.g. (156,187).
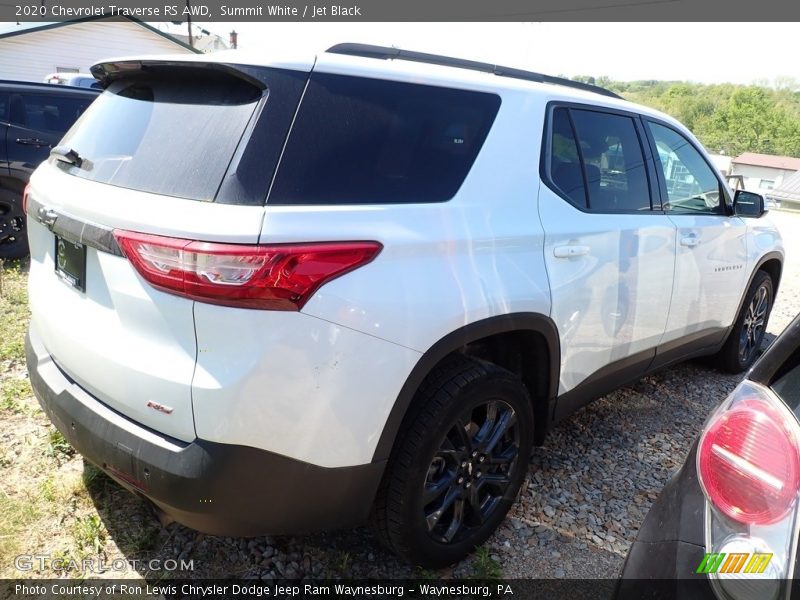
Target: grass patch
(58,447)
(94,480)
(14,312)
(139,538)
(89,534)
(16,516)
(485,566)
(12,393)
(425,574)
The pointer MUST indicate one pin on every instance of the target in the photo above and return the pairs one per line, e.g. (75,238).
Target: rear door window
(613,161)
(596,161)
(364,141)
(49,113)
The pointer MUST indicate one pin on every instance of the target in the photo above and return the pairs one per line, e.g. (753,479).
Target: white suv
(277,297)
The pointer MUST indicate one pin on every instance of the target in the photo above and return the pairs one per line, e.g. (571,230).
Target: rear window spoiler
(108,72)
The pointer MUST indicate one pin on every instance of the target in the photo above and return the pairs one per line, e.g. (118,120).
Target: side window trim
(727,206)
(650,167)
(661,184)
(581,161)
(547,148)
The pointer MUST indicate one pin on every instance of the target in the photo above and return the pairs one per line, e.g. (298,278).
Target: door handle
(690,241)
(570,251)
(32,142)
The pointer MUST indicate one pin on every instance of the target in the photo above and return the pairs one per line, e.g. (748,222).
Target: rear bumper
(221,489)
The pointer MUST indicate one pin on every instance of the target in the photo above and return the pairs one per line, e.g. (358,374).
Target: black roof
(385,53)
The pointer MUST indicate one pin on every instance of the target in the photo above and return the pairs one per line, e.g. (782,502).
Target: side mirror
(748,204)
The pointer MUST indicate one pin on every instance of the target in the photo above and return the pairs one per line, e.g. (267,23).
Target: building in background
(763,172)
(721,162)
(31,51)
(202,40)
(787,195)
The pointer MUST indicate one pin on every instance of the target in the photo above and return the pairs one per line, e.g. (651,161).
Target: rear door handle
(570,251)
(690,241)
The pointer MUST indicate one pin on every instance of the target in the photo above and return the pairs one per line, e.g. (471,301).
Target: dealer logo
(734,562)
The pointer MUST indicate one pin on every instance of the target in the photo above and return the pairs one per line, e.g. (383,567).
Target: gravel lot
(589,488)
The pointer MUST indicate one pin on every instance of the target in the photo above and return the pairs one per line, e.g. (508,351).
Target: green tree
(752,121)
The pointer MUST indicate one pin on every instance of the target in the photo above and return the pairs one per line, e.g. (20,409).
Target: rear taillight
(25,195)
(749,465)
(274,277)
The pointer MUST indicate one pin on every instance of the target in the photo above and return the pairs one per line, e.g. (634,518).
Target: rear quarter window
(370,141)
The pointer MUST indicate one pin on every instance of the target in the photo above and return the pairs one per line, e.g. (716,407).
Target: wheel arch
(510,341)
(772,264)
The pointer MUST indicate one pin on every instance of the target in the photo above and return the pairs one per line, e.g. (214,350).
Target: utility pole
(189,23)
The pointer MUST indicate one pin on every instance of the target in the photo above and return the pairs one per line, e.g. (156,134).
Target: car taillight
(25,195)
(274,277)
(749,463)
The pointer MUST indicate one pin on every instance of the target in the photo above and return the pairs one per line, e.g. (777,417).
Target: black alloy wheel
(457,465)
(471,471)
(754,324)
(741,348)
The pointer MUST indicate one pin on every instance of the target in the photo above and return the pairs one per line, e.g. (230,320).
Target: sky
(701,52)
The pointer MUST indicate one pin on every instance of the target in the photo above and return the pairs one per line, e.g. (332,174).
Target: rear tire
(741,348)
(457,465)
(13,227)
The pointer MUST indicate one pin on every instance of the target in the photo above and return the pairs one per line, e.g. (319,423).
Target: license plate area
(70,259)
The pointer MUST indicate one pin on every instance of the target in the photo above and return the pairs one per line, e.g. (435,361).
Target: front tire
(741,348)
(458,463)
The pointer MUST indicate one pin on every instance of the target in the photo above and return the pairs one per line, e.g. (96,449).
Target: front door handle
(570,251)
(690,241)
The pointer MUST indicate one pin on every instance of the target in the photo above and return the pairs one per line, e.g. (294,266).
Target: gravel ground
(588,490)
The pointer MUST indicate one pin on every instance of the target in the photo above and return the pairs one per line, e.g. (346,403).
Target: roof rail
(385,53)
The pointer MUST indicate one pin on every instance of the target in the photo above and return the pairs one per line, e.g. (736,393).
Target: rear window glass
(173,135)
(365,141)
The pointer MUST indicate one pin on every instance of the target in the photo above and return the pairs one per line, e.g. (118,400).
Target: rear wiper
(66,154)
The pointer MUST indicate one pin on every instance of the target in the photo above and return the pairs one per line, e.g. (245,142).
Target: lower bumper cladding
(220,489)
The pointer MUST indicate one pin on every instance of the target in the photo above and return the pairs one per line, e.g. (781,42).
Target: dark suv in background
(33,118)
